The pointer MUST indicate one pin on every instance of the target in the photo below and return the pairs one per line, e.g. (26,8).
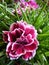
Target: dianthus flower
(22,41)
(29,5)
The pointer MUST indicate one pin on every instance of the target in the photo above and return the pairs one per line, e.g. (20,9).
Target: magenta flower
(32,4)
(29,5)
(22,41)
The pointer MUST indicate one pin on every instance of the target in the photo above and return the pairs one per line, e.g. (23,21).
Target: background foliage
(38,18)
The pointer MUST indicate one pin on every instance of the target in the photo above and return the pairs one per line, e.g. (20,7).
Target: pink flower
(31,4)
(22,41)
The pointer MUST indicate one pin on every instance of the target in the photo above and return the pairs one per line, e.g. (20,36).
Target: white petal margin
(8,45)
(33,54)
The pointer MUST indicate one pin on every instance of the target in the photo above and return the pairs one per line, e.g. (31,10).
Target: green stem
(16,13)
(40,35)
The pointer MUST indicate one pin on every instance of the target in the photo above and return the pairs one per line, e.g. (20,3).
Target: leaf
(11,63)
(24,16)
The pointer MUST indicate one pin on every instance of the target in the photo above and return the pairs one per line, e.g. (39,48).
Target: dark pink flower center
(22,41)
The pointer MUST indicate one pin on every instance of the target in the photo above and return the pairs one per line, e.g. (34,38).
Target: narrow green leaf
(24,16)
(11,63)
(4,25)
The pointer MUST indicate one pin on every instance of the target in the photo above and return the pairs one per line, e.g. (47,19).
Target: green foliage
(38,18)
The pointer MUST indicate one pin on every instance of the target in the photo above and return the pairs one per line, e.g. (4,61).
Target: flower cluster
(29,5)
(22,41)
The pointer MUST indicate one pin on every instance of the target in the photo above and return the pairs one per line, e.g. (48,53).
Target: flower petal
(22,24)
(30,30)
(19,50)
(14,26)
(14,34)
(29,55)
(30,48)
(15,46)
(5,36)
(10,37)
(13,56)
(8,48)
(29,38)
